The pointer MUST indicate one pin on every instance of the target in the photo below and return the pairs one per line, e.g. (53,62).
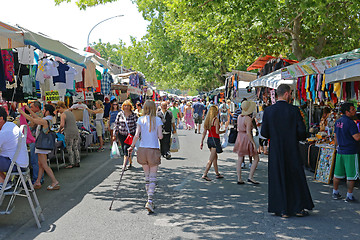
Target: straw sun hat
(247,108)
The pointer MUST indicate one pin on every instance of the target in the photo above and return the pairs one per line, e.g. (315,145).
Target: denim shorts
(214,143)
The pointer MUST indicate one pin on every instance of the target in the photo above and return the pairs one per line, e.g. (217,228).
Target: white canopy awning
(56,48)
(347,72)
(10,37)
(272,80)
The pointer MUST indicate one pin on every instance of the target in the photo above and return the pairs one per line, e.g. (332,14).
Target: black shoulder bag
(45,141)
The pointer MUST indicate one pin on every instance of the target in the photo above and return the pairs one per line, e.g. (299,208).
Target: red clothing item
(356,89)
(212,132)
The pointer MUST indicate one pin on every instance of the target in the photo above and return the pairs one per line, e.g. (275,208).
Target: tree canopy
(192,43)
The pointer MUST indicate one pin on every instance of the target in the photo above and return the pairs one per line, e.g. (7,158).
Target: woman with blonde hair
(148,154)
(99,123)
(212,126)
(245,144)
(125,124)
(71,132)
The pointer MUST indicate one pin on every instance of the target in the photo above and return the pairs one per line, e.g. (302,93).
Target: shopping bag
(225,139)
(114,153)
(232,135)
(181,124)
(175,145)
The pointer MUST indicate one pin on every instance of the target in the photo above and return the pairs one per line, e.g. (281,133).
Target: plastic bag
(225,139)
(114,153)
(175,145)
(181,124)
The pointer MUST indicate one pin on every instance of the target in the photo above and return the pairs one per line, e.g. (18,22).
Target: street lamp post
(98,24)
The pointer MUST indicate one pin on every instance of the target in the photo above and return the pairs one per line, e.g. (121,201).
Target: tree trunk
(295,44)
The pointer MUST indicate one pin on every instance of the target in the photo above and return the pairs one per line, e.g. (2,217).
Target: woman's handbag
(129,139)
(45,141)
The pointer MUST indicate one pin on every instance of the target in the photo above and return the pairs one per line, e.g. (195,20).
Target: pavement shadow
(75,185)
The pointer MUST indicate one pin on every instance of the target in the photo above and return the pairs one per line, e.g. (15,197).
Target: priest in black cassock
(288,190)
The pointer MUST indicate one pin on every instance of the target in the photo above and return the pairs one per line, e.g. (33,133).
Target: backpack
(224,108)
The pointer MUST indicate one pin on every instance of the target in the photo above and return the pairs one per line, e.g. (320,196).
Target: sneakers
(150,206)
(195,130)
(7,187)
(351,200)
(250,165)
(243,165)
(100,149)
(336,196)
(168,156)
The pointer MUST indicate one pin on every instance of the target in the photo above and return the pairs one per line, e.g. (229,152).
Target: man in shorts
(347,160)
(199,113)
(224,111)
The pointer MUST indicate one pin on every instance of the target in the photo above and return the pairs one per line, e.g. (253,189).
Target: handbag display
(45,141)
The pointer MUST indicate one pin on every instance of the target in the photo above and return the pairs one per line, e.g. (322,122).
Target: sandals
(302,213)
(37,186)
(219,176)
(206,178)
(56,187)
(252,181)
(69,166)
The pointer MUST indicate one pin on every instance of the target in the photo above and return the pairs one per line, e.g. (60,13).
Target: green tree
(190,43)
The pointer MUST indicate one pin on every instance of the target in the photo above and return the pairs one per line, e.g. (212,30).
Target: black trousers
(165,144)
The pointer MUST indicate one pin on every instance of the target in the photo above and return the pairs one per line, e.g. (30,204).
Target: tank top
(99,116)
(70,127)
(212,131)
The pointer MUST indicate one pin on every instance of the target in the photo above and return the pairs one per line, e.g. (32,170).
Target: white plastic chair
(22,181)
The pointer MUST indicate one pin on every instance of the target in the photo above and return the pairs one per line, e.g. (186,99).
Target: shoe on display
(150,206)
(351,200)
(336,196)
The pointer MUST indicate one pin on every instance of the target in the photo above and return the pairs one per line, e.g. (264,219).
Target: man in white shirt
(9,134)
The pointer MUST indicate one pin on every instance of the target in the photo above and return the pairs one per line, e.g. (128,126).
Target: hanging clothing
(26,55)
(90,79)
(8,64)
(61,78)
(2,76)
(78,76)
(106,83)
(70,78)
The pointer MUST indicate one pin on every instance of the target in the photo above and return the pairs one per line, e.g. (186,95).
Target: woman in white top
(148,154)
(99,123)
(44,124)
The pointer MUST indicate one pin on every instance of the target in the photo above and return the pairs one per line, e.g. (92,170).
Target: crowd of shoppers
(151,127)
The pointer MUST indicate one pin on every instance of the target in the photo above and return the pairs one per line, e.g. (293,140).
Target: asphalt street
(187,207)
